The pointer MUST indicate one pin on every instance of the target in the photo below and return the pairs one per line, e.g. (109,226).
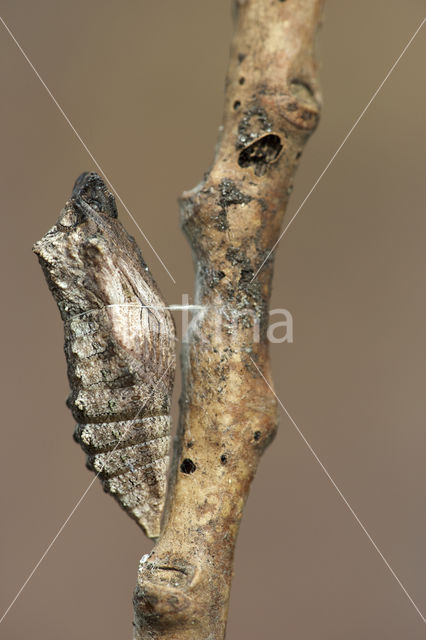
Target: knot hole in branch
(187,466)
(260,153)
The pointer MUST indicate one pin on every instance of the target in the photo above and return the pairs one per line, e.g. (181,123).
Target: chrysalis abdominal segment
(226,317)
(172,307)
(120,360)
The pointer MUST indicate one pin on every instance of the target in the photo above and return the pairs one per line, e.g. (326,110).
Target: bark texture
(228,414)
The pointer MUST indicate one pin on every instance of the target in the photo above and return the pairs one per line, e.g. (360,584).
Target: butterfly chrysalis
(119,346)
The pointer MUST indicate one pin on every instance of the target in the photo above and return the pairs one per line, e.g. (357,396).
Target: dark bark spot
(248,295)
(221,221)
(187,466)
(223,459)
(229,194)
(257,435)
(212,277)
(246,276)
(253,124)
(242,80)
(235,256)
(237,104)
(263,204)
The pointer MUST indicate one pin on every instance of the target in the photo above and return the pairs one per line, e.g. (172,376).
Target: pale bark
(228,413)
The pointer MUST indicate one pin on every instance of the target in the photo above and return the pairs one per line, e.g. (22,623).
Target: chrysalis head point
(89,189)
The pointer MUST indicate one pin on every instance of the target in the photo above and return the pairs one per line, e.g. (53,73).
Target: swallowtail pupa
(119,347)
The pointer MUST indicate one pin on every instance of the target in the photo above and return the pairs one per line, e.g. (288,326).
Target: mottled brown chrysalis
(119,346)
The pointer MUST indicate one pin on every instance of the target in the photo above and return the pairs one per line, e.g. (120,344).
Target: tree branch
(228,414)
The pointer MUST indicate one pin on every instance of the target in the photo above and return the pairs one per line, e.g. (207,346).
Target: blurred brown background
(142,82)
